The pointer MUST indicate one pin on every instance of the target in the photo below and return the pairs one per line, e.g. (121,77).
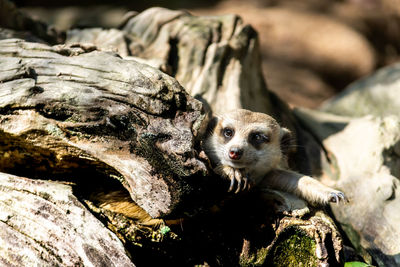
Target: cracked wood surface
(221,67)
(216,58)
(75,109)
(43,224)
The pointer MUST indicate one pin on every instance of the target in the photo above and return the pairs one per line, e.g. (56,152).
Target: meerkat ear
(286,141)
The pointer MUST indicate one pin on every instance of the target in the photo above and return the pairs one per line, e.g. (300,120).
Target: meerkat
(250,149)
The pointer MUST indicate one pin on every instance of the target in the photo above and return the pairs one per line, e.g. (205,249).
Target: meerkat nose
(235,153)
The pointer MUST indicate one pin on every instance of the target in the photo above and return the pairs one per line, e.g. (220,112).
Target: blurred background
(311,49)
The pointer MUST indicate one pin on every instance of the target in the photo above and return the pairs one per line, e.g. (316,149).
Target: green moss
(261,256)
(294,248)
(256,259)
(356,264)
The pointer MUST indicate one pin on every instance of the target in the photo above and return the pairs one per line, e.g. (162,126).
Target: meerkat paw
(337,197)
(234,175)
(325,196)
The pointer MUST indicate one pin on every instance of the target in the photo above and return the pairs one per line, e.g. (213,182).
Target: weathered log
(68,109)
(222,65)
(43,224)
(112,39)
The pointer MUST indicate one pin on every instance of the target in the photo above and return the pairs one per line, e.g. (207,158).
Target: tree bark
(42,223)
(72,110)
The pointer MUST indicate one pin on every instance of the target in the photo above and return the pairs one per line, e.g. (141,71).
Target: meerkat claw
(245,183)
(343,197)
(337,197)
(239,186)
(231,185)
(239,178)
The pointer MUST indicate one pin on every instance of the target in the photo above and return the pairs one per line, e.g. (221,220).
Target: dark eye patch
(256,139)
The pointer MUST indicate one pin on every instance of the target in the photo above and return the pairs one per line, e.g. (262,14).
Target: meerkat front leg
(233,175)
(303,186)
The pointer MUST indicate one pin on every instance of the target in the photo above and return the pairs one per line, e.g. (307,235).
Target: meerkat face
(246,140)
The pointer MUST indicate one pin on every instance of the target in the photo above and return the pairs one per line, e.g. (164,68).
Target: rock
(42,223)
(376,95)
(364,162)
(369,175)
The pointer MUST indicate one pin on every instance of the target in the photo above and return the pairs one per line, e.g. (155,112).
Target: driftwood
(103,122)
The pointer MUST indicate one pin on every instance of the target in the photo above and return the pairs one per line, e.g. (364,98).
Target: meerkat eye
(228,132)
(259,138)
